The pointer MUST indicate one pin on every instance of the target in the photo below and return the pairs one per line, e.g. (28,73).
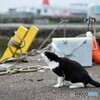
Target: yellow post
(31,34)
(21,31)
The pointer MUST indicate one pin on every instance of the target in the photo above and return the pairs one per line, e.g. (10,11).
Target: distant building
(17,13)
(12,10)
(46,9)
(78,10)
(72,10)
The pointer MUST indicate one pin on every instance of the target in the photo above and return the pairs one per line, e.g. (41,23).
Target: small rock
(40,79)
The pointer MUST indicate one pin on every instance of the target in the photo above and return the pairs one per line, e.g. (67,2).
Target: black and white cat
(68,70)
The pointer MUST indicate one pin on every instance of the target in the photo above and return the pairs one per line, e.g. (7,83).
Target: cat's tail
(93,82)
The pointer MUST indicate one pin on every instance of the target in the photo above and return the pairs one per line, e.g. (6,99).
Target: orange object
(95,48)
(96,51)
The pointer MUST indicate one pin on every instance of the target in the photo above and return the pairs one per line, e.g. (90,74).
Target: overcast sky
(5,4)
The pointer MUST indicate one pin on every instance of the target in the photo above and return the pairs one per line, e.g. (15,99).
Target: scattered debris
(30,80)
(40,79)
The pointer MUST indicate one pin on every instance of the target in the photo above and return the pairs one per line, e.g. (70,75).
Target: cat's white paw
(76,85)
(73,87)
(58,85)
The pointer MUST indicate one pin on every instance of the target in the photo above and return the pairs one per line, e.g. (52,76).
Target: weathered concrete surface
(39,86)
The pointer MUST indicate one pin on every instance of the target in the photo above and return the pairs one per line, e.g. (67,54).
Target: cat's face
(45,57)
(50,56)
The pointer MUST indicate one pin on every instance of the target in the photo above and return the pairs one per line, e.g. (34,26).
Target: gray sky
(5,4)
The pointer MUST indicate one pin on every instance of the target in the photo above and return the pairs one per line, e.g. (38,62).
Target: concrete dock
(40,85)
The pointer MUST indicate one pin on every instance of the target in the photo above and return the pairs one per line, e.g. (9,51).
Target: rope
(68,53)
(16,44)
(14,70)
(94,27)
(10,66)
(53,32)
